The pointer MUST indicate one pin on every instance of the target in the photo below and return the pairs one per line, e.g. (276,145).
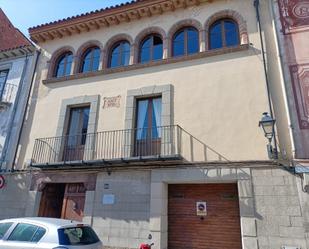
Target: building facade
(144,121)
(17,65)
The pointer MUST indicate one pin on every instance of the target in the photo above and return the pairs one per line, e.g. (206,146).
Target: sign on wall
(108,199)
(110,102)
(2,181)
(201,208)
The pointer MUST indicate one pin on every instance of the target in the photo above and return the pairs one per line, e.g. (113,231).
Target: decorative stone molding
(39,180)
(81,51)
(242,25)
(111,42)
(55,57)
(143,34)
(182,24)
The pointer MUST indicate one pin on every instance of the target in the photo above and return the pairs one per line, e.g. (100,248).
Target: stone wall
(126,222)
(14,195)
(279,215)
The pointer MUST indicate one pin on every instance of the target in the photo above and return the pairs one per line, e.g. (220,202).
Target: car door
(23,236)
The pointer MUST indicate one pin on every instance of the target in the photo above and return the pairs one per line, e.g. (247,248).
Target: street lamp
(268,125)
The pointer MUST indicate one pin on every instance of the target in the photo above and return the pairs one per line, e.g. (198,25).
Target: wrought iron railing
(7,93)
(165,142)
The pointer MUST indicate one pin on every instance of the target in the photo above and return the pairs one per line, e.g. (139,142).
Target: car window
(27,232)
(77,236)
(4,227)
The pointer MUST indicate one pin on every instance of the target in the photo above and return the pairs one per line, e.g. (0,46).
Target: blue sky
(28,13)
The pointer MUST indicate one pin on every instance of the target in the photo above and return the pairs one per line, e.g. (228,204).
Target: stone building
(144,120)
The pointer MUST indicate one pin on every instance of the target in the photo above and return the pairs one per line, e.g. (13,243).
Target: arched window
(90,60)
(185,42)
(120,54)
(223,33)
(63,65)
(151,49)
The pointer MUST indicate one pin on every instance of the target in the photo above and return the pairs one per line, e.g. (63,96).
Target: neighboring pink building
(293,34)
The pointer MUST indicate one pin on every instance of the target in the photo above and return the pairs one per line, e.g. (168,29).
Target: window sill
(170,60)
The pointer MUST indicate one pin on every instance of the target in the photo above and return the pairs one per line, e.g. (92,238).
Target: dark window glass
(90,60)
(4,227)
(120,55)
(63,65)
(185,42)
(151,49)
(77,236)
(38,234)
(3,78)
(223,33)
(26,232)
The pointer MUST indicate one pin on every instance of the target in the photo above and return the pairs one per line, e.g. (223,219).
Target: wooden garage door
(220,229)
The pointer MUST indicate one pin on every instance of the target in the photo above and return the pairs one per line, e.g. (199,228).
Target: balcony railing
(122,146)
(7,94)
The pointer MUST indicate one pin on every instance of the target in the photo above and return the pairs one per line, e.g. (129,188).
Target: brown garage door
(220,229)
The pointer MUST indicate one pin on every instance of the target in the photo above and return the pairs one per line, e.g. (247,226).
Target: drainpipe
(37,56)
(256,4)
(16,104)
(279,48)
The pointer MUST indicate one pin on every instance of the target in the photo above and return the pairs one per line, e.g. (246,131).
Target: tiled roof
(10,37)
(87,14)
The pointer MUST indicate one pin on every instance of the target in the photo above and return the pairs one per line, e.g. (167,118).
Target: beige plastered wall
(217,99)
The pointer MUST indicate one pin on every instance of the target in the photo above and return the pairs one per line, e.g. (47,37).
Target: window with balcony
(120,55)
(76,134)
(151,49)
(148,127)
(223,33)
(63,65)
(185,42)
(90,60)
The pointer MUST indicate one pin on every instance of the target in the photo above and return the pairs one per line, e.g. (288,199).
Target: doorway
(63,200)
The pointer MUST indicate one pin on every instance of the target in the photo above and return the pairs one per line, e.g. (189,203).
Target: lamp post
(268,125)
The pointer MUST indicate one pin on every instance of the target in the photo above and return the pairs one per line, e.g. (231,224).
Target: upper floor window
(151,49)
(120,55)
(223,33)
(63,65)
(186,42)
(3,78)
(90,60)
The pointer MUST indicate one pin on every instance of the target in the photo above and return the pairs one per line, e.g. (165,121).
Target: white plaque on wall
(108,199)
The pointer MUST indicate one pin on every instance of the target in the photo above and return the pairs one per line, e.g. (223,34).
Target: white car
(47,233)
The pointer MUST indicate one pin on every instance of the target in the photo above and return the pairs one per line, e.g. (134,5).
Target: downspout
(283,79)
(256,4)
(16,104)
(38,52)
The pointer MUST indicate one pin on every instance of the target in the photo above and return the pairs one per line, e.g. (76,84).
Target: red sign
(2,182)
(294,14)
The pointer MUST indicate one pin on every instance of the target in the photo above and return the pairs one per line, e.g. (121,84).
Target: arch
(83,48)
(111,42)
(152,30)
(231,14)
(55,56)
(182,24)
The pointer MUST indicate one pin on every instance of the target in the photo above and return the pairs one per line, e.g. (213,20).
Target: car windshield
(77,236)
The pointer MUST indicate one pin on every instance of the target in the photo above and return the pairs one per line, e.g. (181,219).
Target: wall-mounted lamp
(268,125)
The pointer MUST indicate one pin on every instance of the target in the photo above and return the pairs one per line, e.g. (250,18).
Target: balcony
(7,94)
(166,144)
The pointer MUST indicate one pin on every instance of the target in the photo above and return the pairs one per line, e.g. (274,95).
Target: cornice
(105,18)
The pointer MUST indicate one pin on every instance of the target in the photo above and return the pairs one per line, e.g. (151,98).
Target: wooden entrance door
(220,229)
(52,201)
(74,202)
